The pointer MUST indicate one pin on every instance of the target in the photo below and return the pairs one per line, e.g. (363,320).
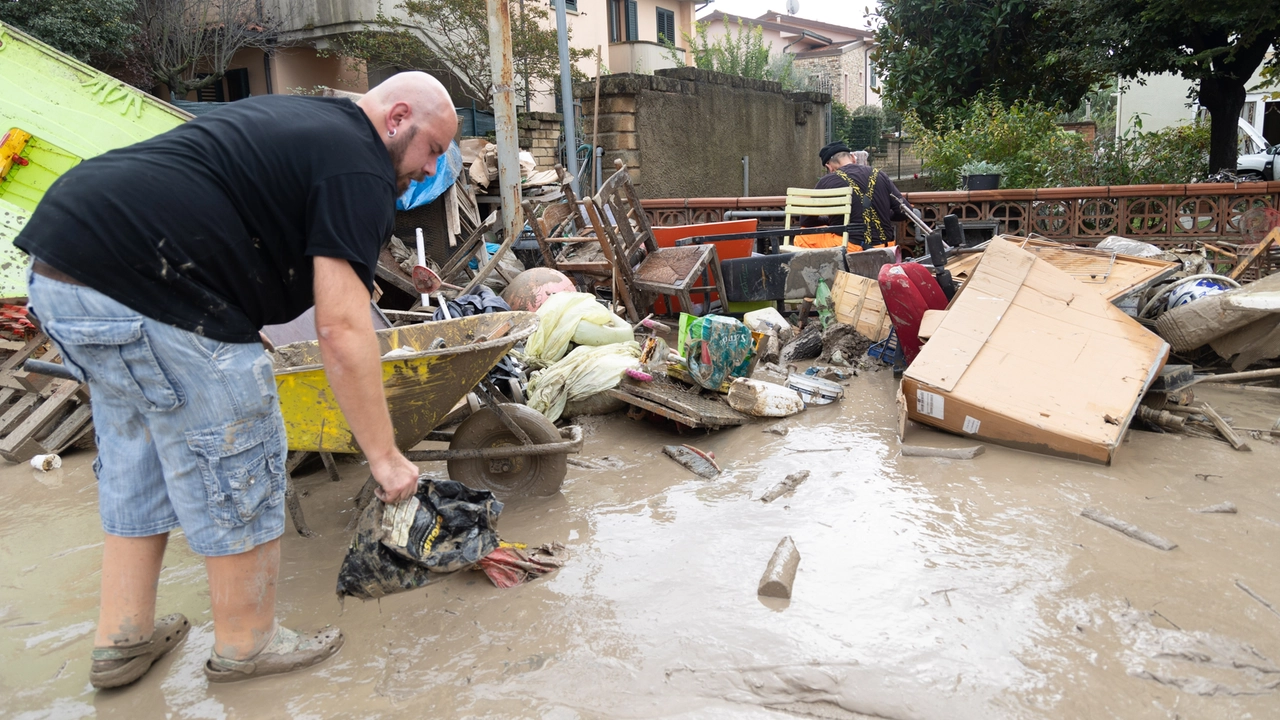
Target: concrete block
(619,141)
(621,122)
(780,574)
(666,84)
(630,157)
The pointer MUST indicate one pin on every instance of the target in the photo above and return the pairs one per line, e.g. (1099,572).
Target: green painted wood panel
(72,111)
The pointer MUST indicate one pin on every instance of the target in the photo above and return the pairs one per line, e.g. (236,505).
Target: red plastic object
(666,236)
(909,289)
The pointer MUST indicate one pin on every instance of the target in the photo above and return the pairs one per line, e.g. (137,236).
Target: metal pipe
(566,95)
(762,214)
(504,115)
(599,151)
(746,176)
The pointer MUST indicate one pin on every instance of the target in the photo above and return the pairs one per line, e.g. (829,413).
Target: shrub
(1034,151)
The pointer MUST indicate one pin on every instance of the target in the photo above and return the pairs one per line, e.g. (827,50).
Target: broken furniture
(808,202)
(500,447)
(677,272)
(1028,356)
(45,409)
(677,402)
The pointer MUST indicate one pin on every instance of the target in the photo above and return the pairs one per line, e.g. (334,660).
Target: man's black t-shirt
(211,226)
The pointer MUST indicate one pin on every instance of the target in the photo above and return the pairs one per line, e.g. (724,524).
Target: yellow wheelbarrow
(427,370)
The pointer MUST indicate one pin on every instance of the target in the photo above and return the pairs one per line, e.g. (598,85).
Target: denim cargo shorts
(188,429)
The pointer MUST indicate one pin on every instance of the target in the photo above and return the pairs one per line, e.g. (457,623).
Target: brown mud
(929,588)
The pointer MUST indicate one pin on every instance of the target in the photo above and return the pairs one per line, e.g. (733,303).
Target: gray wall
(692,128)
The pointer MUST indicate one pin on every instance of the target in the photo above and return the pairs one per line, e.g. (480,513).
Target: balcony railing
(1166,215)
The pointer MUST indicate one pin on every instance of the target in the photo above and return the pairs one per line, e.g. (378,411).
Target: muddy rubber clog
(117,666)
(287,651)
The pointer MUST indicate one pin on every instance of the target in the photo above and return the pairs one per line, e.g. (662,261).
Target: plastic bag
(715,349)
(1126,246)
(582,373)
(448,166)
(446,526)
(558,320)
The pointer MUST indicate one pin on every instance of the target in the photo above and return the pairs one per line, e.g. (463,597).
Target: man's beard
(397,149)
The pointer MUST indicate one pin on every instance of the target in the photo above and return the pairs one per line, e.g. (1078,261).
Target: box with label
(1029,357)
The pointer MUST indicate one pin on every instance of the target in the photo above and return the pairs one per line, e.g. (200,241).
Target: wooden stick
(1257,597)
(1224,428)
(1244,264)
(1132,531)
(966,453)
(1236,377)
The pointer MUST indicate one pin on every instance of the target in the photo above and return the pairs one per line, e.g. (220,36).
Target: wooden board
(680,403)
(1113,275)
(859,303)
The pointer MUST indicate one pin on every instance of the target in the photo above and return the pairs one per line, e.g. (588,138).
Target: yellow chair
(836,202)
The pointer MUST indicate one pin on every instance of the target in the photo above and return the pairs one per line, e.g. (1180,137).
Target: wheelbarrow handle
(571,442)
(43,367)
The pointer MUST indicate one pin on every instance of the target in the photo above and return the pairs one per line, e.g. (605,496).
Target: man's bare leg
(242,590)
(130,575)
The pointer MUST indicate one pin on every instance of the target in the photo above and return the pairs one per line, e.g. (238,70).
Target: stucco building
(629,33)
(835,56)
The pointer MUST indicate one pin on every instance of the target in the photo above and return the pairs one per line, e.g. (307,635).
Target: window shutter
(666,26)
(632,22)
(614,35)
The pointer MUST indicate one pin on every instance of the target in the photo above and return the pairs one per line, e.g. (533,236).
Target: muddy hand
(397,479)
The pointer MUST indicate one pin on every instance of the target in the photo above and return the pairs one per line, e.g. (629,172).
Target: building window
(666,26)
(871,74)
(623,25)
(569,5)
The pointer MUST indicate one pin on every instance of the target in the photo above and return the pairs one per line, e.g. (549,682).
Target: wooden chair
(567,224)
(837,202)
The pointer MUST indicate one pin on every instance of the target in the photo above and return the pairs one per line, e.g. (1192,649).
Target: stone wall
(837,66)
(539,132)
(683,132)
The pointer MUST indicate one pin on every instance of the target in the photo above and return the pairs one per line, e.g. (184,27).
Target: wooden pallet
(41,415)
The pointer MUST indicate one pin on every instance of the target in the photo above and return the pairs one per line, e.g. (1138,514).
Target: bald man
(153,268)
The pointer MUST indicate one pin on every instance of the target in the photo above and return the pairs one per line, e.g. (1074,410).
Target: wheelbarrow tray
(421,388)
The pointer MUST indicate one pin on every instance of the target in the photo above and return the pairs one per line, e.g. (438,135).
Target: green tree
(937,54)
(94,31)
(453,36)
(1216,45)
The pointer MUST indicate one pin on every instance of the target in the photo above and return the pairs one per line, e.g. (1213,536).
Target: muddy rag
(582,373)
(509,565)
(446,526)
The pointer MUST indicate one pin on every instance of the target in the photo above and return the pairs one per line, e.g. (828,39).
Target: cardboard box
(1031,358)
(858,302)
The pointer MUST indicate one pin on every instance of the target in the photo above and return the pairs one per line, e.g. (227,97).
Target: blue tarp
(421,193)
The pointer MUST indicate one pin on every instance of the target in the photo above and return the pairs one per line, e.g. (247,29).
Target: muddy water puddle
(927,588)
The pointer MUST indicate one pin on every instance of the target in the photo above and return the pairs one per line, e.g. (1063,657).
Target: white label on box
(931,404)
(972,425)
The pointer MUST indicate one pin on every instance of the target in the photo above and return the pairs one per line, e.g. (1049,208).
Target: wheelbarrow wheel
(520,476)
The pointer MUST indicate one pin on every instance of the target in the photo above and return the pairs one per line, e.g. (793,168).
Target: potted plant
(980,175)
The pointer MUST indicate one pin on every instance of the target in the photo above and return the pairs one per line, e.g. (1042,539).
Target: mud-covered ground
(927,588)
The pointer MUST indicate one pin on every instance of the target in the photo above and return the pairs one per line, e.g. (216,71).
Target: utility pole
(504,114)
(566,95)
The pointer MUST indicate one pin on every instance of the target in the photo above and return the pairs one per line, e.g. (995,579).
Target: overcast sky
(850,13)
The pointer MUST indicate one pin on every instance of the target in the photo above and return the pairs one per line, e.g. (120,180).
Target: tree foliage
(94,31)
(1216,45)
(187,44)
(453,36)
(1033,151)
(937,54)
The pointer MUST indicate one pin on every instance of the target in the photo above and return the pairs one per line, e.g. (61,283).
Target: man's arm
(354,368)
(892,208)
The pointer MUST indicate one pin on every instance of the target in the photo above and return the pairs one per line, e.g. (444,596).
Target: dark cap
(831,150)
